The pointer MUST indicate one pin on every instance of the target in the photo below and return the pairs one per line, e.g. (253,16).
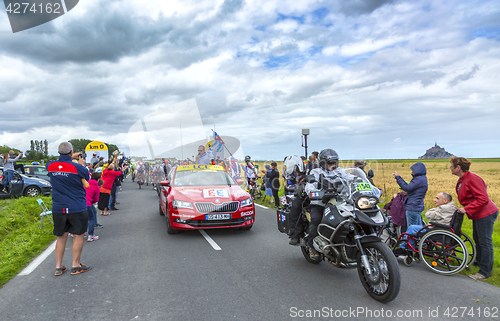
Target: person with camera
(416,190)
(69,205)
(9,163)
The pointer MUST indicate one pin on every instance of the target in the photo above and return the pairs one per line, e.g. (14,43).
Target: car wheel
(32,191)
(170,230)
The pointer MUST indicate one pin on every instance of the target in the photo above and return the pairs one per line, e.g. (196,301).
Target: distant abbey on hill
(436,152)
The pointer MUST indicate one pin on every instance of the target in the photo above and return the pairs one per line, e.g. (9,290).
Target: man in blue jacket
(69,205)
(416,190)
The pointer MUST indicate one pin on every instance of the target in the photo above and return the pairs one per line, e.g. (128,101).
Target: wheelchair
(442,248)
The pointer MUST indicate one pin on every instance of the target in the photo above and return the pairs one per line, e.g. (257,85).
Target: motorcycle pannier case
(283,217)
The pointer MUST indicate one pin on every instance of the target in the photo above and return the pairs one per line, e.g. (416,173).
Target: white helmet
(291,164)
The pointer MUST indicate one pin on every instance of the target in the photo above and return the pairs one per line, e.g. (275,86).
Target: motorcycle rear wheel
(385,280)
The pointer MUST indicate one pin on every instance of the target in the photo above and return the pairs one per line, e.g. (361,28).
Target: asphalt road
(139,272)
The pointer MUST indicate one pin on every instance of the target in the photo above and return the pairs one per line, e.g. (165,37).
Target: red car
(204,197)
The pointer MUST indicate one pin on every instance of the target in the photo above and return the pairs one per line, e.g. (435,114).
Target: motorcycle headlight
(247,202)
(364,203)
(181,204)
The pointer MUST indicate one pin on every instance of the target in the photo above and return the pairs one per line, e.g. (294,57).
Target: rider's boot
(313,253)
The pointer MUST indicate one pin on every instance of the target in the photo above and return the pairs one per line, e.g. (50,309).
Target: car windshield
(202,178)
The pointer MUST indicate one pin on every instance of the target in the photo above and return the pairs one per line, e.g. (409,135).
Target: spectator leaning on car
(8,169)
(69,205)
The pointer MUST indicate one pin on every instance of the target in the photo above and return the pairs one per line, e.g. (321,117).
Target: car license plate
(218,217)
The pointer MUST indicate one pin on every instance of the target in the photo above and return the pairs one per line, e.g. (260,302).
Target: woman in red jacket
(108,176)
(471,191)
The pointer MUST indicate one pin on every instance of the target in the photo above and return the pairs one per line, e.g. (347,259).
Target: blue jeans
(413,218)
(112,196)
(482,232)
(412,230)
(92,214)
(7,177)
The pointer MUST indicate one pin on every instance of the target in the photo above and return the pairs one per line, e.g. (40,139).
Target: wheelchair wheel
(443,252)
(469,243)
(408,260)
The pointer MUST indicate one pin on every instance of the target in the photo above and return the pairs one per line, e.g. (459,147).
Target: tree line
(39,149)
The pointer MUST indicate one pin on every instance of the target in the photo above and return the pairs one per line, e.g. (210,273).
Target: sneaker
(98,225)
(92,238)
(5,191)
(478,276)
(82,268)
(294,241)
(117,202)
(60,271)
(114,209)
(313,254)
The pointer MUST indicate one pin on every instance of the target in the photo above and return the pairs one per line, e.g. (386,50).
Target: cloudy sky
(369,78)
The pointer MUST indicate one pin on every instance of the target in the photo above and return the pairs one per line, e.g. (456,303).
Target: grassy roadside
(20,238)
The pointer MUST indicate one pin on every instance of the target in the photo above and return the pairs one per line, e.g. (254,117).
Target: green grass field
(20,238)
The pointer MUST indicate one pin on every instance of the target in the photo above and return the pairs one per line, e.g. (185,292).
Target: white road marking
(36,262)
(262,206)
(209,240)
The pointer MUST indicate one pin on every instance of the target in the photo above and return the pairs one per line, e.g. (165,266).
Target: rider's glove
(327,197)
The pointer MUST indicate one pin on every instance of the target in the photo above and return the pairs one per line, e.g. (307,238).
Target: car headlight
(45,183)
(364,203)
(181,204)
(247,202)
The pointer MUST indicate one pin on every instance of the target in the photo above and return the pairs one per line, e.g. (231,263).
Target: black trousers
(316,212)
(276,198)
(296,228)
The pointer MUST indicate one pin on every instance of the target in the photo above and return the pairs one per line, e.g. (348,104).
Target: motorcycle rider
(328,162)
(294,172)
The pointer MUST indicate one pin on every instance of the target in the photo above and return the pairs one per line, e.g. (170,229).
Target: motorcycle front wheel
(384,281)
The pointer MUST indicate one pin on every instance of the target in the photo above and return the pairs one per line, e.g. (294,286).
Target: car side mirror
(239,181)
(371,173)
(165,183)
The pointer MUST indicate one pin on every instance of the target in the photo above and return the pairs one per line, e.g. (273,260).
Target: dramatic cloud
(372,79)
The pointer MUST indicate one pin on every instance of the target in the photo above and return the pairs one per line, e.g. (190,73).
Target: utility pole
(305,132)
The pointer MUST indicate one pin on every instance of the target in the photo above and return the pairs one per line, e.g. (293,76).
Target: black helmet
(247,158)
(328,156)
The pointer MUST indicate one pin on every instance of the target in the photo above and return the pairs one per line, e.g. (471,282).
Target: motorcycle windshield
(356,181)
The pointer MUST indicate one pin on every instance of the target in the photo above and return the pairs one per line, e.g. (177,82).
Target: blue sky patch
(320,13)
(299,19)
(490,33)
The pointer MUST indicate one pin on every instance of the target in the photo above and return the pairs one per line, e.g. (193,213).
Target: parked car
(204,197)
(37,171)
(22,185)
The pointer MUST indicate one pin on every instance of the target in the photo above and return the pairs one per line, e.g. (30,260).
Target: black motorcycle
(347,235)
